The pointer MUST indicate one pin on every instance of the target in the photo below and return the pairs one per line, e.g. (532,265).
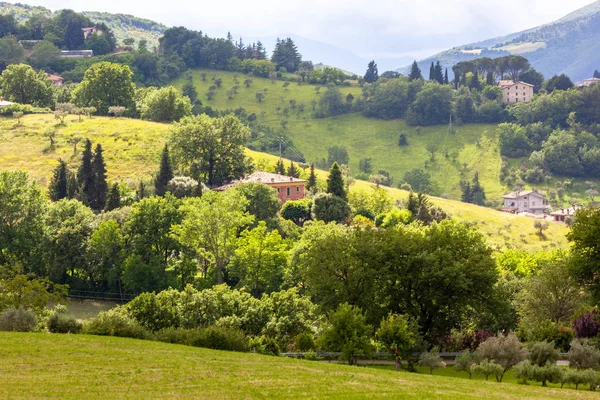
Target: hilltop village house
(588,82)
(525,202)
(57,80)
(561,215)
(288,188)
(519,92)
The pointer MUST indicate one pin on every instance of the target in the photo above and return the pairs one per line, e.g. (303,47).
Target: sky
(369,28)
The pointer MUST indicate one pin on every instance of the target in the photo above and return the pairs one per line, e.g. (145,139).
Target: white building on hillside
(525,201)
(519,92)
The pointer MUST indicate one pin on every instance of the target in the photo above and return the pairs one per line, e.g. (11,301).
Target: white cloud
(363,26)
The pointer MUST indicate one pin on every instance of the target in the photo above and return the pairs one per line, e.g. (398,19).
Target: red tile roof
(263,177)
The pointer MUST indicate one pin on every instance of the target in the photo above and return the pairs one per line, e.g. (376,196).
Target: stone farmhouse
(57,80)
(525,202)
(287,188)
(562,214)
(519,92)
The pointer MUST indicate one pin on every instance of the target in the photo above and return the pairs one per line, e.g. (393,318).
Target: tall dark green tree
(100,191)
(438,73)
(446,81)
(432,72)
(286,55)
(114,198)
(60,182)
(280,168)
(335,182)
(415,72)
(189,90)
(74,38)
(372,73)
(165,173)
(311,185)
(293,171)
(85,174)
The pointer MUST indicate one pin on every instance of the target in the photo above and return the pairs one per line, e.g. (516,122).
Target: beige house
(288,188)
(519,92)
(588,82)
(525,202)
(89,31)
(562,214)
(56,80)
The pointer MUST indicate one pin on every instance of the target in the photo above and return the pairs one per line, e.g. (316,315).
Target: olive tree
(505,350)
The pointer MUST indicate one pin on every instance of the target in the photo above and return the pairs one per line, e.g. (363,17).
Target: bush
(548,373)
(177,336)
(524,371)
(264,345)
(18,320)
(221,338)
(465,363)
(155,311)
(488,368)
(432,360)
(61,323)
(583,356)
(304,342)
(114,323)
(542,353)
(506,351)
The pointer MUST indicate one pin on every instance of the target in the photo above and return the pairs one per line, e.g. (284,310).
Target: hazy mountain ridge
(572,45)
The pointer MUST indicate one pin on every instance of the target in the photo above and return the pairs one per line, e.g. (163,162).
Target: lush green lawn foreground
(87,367)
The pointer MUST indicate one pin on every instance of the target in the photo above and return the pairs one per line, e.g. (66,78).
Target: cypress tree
(490,81)
(100,186)
(412,204)
(335,182)
(438,73)
(165,173)
(475,83)
(293,171)
(432,72)
(477,191)
(312,179)
(59,183)
(114,198)
(415,72)
(446,81)
(141,192)
(72,186)
(85,174)
(280,168)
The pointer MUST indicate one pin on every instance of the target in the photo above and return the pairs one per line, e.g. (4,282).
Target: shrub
(114,323)
(177,336)
(524,371)
(506,351)
(591,377)
(488,368)
(587,325)
(548,373)
(542,353)
(155,311)
(61,323)
(432,360)
(465,362)
(573,377)
(18,320)
(583,356)
(221,338)
(304,342)
(264,345)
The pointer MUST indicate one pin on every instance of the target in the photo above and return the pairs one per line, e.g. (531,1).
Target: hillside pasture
(76,366)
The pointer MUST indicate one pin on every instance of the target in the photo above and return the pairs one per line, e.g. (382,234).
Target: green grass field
(42,365)
(132,150)
(363,137)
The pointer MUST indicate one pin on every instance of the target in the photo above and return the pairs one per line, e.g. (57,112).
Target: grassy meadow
(46,366)
(132,151)
(477,145)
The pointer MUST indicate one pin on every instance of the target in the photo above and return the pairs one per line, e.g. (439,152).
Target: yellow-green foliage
(132,151)
(79,366)
(131,147)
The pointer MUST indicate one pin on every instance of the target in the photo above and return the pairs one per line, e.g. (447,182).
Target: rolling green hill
(132,151)
(569,45)
(74,366)
(364,138)
(122,25)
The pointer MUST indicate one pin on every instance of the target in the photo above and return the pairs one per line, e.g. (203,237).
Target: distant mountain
(123,26)
(570,45)
(330,55)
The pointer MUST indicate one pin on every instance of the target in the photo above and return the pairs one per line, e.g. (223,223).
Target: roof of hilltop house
(567,211)
(263,177)
(516,195)
(55,78)
(5,103)
(506,83)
